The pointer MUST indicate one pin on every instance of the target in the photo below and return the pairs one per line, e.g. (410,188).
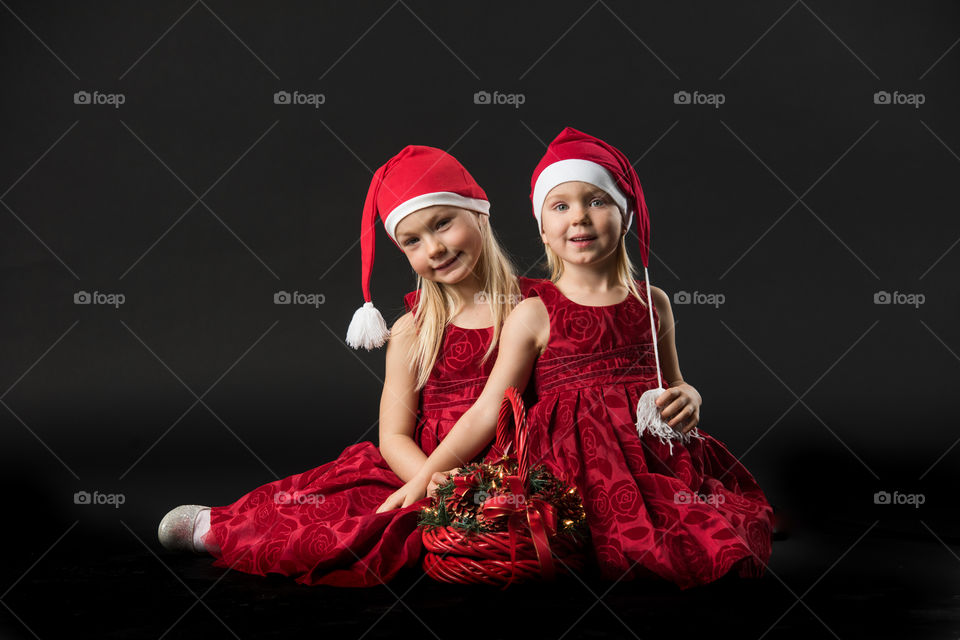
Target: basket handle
(513,414)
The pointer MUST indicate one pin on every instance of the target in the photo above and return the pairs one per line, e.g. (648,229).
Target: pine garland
(485,480)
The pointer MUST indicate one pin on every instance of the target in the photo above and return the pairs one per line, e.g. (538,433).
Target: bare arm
(680,405)
(398,404)
(523,338)
(666,343)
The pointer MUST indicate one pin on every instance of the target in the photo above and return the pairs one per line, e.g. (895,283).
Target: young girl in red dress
(323,526)
(661,498)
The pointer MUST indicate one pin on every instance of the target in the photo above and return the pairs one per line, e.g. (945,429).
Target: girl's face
(442,243)
(581,223)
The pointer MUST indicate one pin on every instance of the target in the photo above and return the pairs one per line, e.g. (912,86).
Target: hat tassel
(367,329)
(649,419)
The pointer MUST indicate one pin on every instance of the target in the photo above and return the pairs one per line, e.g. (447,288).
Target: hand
(680,407)
(406,495)
(439,478)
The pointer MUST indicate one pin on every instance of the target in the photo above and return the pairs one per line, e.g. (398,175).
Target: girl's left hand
(680,407)
(415,489)
(437,479)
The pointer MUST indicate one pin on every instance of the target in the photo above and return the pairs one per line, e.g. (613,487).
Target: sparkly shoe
(176,528)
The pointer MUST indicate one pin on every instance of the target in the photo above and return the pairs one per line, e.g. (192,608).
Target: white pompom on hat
(416,178)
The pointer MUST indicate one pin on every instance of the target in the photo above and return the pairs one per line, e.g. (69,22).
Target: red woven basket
(454,555)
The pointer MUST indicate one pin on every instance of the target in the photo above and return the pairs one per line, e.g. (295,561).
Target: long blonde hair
(436,306)
(626,272)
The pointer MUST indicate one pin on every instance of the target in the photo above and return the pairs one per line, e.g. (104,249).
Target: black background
(798,199)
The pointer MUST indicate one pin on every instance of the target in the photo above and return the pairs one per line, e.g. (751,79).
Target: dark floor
(850,568)
(840,580)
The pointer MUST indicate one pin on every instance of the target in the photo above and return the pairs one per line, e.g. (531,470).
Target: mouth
(449,263)
(582,240)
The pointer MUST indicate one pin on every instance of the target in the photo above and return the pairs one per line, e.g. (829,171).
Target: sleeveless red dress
(320,526)
(690,516)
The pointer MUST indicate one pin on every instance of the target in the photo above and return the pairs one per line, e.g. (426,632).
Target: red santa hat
(574,155)
(416,178)
(577,156)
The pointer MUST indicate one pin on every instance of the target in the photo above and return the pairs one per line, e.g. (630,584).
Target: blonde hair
(436,306)
(626,272)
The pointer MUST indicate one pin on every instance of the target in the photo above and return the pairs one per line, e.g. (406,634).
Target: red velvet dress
(320,526)
(690,516)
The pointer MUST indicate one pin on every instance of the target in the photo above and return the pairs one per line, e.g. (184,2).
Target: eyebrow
(429,221)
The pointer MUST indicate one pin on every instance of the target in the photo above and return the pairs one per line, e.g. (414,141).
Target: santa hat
(416,178)
(577,156)
(574,155)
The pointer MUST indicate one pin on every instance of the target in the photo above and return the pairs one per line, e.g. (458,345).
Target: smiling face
(442,243)
(581,223)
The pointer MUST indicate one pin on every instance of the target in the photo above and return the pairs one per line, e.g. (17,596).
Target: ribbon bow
(463,484)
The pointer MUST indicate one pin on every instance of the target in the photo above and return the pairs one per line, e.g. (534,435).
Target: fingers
(678,419)
(682,415)
(436,480)
(665,398)
(678,410)
(673,409)
(389,503)
(688,422)
(409,500)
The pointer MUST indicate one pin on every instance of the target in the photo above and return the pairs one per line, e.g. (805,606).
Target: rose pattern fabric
(320,526)
(689,517)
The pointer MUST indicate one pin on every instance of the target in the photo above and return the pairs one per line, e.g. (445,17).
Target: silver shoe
(176,529)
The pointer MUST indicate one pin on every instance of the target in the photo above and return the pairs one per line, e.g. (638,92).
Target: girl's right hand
(437,479)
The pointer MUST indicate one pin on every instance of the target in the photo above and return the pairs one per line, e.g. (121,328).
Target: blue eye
(560,206)
(409,241)
(443,222)
(597,202)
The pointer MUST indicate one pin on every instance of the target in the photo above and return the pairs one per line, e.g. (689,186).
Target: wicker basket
(529,550)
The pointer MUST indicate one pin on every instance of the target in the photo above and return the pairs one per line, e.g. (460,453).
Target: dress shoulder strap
(411,299)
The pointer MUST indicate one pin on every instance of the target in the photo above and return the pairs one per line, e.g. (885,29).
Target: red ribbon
(462,484)
(534,514)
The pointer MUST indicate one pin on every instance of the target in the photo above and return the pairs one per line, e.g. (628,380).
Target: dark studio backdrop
(182,163)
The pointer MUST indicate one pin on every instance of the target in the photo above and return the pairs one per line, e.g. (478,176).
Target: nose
(435,248)
(580,215)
